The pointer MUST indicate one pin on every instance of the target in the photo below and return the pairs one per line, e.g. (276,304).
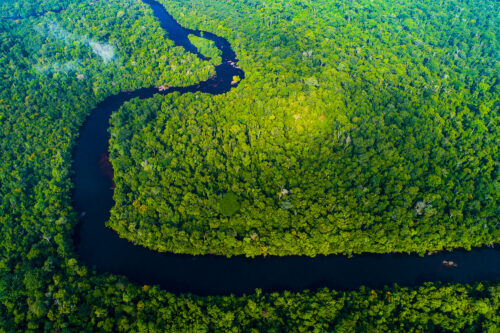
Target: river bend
(102,249)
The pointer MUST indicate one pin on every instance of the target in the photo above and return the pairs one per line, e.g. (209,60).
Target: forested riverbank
(56,68)
(359,127)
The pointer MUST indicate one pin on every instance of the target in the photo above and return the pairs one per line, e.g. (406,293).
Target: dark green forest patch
(383,113)
(358,128)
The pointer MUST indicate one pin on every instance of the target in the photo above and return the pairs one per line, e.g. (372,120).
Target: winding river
(102,249)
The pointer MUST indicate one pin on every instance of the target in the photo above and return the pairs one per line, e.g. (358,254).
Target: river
(101,248)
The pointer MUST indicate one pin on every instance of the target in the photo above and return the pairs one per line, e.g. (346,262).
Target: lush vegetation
(207,48)
(54,71)
(23,8)
(56,67)
(74,301)
(367,126)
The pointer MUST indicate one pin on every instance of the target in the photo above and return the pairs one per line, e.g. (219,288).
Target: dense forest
(23,8)
(386,111)
(77,302)
(361,127)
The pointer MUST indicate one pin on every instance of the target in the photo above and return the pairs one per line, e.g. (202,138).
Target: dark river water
(102,249)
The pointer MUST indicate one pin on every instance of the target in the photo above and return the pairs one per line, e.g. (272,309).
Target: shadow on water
(102,248)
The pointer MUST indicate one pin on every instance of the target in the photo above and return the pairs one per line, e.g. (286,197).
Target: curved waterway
(102,248)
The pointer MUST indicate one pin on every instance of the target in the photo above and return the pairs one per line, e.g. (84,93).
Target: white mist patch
(57,67)
(104,50)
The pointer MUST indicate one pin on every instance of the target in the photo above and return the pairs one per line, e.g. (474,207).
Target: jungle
(360,126)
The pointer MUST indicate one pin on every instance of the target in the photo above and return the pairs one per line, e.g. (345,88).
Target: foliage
(365,126)
(207,48)
(229,204)
(23,8)
(86,303)
(51,81)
